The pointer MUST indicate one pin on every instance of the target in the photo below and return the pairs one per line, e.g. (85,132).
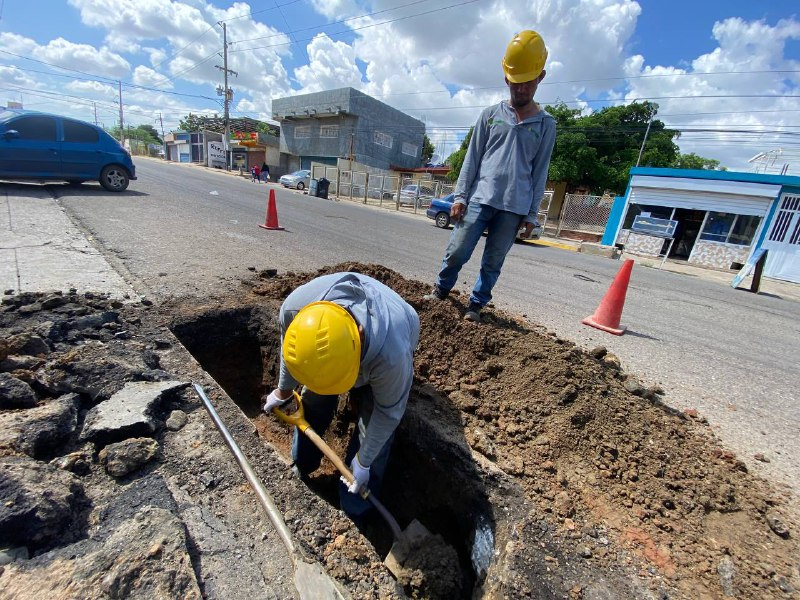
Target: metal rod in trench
(272,511)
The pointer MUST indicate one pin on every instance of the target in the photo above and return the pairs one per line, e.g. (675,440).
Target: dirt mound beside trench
(617,478)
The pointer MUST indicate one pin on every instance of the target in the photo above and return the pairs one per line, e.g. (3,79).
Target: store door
(689,224)
(783,241)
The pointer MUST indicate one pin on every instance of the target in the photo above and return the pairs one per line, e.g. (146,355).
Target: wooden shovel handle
(328,451)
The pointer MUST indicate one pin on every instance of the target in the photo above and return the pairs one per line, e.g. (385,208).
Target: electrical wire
(264,37)
(354,29)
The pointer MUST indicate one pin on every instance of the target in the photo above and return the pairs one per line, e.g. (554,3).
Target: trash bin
(322,187)
(312,187)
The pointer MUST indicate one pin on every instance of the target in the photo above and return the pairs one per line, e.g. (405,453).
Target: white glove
(274,400)
(360,477)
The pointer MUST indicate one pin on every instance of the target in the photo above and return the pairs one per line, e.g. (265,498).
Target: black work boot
(473,313)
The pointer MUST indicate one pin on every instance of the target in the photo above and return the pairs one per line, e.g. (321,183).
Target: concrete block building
(345,123)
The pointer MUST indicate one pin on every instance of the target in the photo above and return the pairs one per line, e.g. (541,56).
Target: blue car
(439,211)
(42,146)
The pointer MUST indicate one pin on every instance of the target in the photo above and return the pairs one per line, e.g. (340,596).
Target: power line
(174,54)
(606,101)
(101,78)
(354,29)
(251,13)
(570,81)
(288,33)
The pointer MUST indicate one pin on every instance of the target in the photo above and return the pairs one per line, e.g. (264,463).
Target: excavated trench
(551,471)
(428,477)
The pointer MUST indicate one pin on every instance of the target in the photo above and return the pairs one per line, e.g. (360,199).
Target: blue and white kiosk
(721,218)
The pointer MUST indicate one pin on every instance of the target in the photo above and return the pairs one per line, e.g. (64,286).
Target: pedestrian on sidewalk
(265,171)
(256,174)
(347,332)
(502,179)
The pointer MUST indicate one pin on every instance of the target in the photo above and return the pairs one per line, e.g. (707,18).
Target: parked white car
(298,180)
(414,194)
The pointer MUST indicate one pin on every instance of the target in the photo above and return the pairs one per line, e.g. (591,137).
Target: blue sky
(727,74)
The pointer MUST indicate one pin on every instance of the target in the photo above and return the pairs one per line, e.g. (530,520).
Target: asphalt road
(728,353)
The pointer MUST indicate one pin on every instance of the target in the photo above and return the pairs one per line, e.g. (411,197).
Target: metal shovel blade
(312,583)
(412,538)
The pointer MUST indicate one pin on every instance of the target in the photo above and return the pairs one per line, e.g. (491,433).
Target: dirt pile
(618,477)
(553,472)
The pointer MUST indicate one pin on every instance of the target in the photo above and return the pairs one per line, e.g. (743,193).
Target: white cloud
(93,89)
(336,9)
(13,77)
(148,77)
(722,85)
(331,65)
(82,57)
(157,55)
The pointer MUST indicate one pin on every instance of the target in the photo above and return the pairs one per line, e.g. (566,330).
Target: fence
(388,191)
(584,213)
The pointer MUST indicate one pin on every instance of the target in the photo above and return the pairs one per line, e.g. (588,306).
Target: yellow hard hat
(525,57)
(322,348)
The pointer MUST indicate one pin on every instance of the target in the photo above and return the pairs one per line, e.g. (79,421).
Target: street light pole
(647,131)
(226,93)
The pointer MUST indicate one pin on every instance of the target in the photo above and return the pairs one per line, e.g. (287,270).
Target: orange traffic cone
(272,213)
(607,315)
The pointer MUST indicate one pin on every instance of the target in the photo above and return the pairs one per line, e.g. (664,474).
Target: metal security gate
(783,241)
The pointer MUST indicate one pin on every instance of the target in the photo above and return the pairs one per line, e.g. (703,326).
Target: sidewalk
(774,287)
(42,250)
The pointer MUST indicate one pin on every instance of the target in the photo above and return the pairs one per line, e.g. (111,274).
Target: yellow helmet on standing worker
(322,348)
(525,57)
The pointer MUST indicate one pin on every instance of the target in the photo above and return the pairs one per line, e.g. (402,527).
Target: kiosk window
(634,210)
(730,228)
(744,230)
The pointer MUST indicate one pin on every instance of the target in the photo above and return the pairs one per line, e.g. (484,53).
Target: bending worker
(347,332)
(502,179)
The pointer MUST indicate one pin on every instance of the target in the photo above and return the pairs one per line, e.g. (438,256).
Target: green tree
(142,133)
(693,161)
(191,122)
(151,132)
(427,149)
(456,159)
(597,150)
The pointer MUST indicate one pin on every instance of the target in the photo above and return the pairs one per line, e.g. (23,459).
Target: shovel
(404,541)
(310,580)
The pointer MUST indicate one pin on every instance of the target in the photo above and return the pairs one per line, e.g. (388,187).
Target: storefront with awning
(720,218)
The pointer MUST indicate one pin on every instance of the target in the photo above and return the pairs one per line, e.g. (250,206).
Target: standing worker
(347,332)
(502,179)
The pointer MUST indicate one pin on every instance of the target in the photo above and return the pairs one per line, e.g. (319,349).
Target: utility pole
(226,93)
(644,140)
(94,104)
(121,130)
(163,140)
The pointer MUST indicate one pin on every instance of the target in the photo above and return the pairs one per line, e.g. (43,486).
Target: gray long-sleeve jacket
(391,334)
(506,162)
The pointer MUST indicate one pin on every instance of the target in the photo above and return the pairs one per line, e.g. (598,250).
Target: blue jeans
(501,227)
(319,412)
